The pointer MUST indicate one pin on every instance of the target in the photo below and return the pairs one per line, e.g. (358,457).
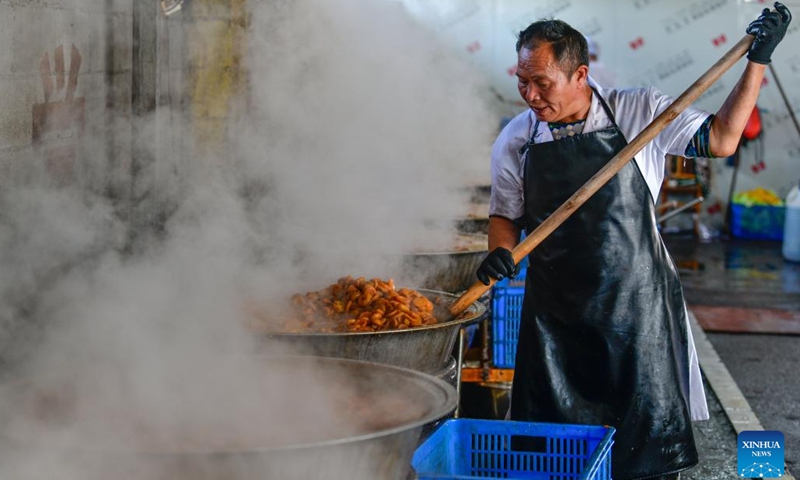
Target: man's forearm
(502,233)
(730,120)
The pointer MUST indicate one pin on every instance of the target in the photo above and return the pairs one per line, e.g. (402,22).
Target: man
(597,69)
(603,337)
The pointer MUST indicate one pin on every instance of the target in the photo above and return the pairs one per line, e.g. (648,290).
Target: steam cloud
(371,129)
(357,138)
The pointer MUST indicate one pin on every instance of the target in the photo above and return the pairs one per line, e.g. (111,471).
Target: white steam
(368,129)
(356,139)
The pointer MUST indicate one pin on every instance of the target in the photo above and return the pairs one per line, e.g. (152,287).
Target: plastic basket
(463,449)
(757,222)
(507,298)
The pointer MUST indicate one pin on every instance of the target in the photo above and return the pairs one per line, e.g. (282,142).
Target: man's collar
(595,120)
(597,117)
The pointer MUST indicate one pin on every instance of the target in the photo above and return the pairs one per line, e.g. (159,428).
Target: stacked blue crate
(463,449)
(507,297)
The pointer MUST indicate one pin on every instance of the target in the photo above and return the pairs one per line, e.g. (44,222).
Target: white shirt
(633,110)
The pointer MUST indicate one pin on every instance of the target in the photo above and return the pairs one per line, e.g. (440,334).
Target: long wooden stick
(612,167)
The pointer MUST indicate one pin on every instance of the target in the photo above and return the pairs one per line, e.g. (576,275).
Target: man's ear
(581,76)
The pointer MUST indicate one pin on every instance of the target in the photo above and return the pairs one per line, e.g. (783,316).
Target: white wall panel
(665,43)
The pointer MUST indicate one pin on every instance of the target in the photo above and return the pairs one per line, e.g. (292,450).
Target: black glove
(769,30)
(499,264)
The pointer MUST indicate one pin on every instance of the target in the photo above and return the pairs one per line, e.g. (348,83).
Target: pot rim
(450,253)
(425,381)
(482,250)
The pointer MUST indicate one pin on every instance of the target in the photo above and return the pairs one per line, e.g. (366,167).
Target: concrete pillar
(144,91)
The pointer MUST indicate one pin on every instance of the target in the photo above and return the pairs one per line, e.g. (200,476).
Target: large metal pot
(427,348)
(479,193)
(386,406)
(473,225)
(450,375)
(451,270)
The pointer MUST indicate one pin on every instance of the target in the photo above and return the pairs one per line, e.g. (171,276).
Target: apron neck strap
(605,106)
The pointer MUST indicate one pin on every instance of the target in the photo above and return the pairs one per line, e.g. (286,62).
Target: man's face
(545,87)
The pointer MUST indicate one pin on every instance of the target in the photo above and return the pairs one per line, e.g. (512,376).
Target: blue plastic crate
(759,222)
(464,449)
(506,312)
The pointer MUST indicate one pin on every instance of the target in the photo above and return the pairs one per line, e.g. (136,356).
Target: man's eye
(543,86)
(523,83)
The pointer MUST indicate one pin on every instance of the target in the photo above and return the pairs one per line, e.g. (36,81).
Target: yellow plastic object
(757,196)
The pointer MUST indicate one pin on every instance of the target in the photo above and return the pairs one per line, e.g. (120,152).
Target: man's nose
(531,94)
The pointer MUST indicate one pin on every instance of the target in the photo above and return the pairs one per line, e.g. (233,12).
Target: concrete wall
(65,108)
(65,85)
(82,172)
(217,33)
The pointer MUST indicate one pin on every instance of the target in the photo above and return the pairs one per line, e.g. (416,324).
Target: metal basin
(426,349)
(451,270)
(479,193)
(449,373)
(378,419)
(473,225)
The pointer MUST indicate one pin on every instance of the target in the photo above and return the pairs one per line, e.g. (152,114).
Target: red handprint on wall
(59,122)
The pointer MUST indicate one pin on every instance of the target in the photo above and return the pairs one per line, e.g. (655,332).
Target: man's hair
(569,45)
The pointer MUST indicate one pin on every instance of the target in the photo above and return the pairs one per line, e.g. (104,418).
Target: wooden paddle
(611,168)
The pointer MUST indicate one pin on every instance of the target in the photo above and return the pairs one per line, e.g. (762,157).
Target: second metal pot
(426,349)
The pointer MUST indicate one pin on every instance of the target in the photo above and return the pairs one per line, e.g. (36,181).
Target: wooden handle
(612,167)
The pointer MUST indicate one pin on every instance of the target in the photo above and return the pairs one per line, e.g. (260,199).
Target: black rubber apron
(603,334)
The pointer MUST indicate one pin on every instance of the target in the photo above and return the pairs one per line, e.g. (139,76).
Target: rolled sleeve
(635,109)
(678,133)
